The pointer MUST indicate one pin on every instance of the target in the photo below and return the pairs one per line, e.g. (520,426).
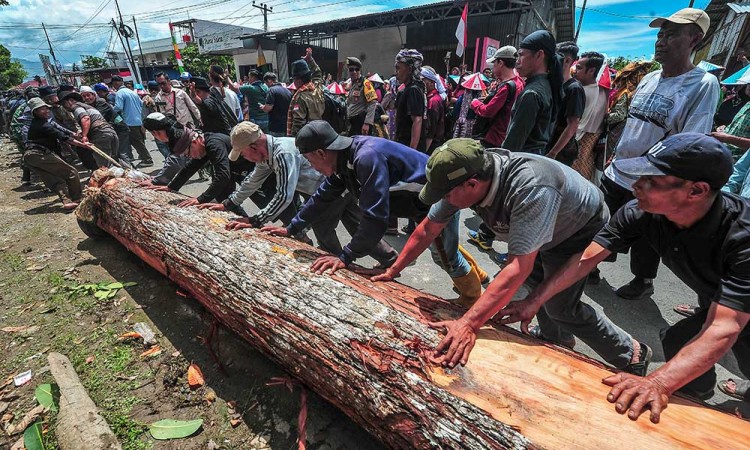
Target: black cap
(320,135)
(116,78)
(300,68)
(69,94)
(46,91)
(201,83)
(690,156)
(217,69)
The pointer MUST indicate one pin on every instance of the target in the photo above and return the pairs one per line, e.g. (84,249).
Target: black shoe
(148,163)
(641,367)
(637,289)
(536,332)
(594,277)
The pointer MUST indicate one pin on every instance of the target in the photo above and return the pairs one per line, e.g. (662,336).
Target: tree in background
(92,62)
(620,62)
(12,72)
(198,64)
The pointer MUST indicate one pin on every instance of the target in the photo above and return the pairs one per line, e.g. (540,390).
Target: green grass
(12,261)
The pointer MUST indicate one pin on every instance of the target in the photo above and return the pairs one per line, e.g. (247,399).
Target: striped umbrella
(336,89)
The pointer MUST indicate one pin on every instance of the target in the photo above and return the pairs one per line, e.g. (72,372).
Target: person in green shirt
(254,95)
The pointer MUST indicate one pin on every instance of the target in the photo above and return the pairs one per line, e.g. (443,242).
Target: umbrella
(291,87)
(708,67)
(742,76)
(335,88)
(375,78)
(474,82)
(484,78)
(604,78)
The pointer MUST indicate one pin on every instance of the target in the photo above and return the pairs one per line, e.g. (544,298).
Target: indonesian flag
(461,34)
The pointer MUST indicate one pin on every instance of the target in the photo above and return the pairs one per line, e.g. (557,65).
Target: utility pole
(140,49)
(691,3)
(128,58)
(123,30)
(263,7)
(54,58)
(580,20)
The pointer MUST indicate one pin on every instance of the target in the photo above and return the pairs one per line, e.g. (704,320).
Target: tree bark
(363,345)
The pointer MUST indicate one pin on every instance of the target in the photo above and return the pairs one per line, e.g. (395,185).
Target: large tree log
(362,345)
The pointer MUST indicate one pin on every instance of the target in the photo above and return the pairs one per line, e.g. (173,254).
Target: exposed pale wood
(361,345)
(79,424)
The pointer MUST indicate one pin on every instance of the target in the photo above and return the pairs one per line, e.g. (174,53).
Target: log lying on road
(362,345)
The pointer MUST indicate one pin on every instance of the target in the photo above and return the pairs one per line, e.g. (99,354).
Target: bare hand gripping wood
(362,345)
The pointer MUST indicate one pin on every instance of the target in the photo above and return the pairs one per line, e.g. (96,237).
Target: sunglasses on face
(353,69)
(162,83)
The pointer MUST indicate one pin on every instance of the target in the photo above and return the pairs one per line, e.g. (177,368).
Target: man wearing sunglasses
(361,101)
(176,102)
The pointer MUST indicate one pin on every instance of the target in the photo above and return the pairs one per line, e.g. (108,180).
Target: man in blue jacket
(386,177)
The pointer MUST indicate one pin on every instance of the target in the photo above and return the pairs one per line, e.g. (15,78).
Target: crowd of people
(566,171)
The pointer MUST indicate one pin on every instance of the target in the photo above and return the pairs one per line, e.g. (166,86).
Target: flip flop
(740,390)
(686,310)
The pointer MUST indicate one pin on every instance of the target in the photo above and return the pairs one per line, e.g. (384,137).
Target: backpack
(482,124)
(335,112)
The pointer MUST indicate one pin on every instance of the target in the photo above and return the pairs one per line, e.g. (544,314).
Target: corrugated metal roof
(740,8)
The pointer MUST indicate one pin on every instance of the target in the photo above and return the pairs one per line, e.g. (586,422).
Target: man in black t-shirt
(563,146)
(277,105)
(411,101)
(702,235)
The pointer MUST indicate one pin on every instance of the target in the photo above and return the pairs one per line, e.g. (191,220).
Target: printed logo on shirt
(653,108)
(296,107)
(370,94)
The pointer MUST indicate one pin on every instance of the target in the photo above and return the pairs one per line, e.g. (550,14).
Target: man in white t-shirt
(590,126)
(677,99)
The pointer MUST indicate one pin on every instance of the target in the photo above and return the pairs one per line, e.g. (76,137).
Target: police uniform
(361,102)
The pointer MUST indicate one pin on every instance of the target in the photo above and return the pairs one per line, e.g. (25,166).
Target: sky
(80,27)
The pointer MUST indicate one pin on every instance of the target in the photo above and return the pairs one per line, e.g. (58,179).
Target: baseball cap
(320,135)
(507,52)
(450,165)
(244,134)
(690,156)
(116,78)
(101,87)
(685,16)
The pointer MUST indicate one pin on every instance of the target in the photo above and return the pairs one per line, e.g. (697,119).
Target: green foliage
(92,62)
(32,437)
(174,429)
(620,62)
(198,64)
(48,395)
(12,72)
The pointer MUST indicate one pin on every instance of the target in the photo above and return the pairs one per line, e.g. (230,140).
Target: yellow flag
(261,56)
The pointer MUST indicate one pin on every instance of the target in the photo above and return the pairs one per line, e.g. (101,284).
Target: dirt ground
(44,255)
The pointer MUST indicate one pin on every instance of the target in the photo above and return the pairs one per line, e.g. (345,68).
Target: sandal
(743,411)
(686,310)
(741,388)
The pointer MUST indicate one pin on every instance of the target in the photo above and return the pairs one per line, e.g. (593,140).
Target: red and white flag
(461,32)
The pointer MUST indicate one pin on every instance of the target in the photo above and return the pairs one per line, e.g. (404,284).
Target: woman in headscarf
(389,105)
(624,87)
(466,116)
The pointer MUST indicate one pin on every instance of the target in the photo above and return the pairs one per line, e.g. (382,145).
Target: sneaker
(476,239)
(408,229)
(500,259)
(536,332)
(637,289)
(594,277)
(148,163)
(639,368)
(392,231)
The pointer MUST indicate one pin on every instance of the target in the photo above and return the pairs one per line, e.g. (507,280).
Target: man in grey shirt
(546,212)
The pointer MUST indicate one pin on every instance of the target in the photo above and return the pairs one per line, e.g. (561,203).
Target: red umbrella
(336,89)
(474,82)
(291,87)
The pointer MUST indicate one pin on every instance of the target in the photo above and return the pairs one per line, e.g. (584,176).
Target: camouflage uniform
(307,103)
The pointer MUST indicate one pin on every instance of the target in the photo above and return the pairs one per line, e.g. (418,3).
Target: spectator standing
(130,106)
(276,104)
(411,101)
(435,124)
(591,124)
(308,102)
(564,146)
(361,100)
(254,94)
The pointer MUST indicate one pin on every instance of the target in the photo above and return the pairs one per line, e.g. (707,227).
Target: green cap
(450,165)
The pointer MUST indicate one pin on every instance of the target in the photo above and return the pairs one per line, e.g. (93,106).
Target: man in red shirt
(496,107)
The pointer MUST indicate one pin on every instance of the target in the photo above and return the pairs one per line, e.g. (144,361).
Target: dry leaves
(235,418)
(153,351)
(27,420)
(22,329)
(131,335)
(90,359)
(195,377)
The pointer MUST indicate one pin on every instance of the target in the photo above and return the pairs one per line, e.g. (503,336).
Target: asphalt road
(641,318)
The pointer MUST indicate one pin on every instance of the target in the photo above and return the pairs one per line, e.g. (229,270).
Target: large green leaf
(129,283)
(101,295)
(115,285)
(48,395)
(174,429)
(32,437)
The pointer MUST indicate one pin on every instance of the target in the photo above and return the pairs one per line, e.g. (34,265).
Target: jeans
(172,165)
(644,261)
(123,135)
(565,313)
(444,250)
(163,149)
(674,338)
(138,141)
(262,123)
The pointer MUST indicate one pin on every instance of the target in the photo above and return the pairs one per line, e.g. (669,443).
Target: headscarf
(438,82)
(543,40)
(626,81)
(413,59)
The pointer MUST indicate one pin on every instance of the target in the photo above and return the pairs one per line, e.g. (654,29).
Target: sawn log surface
(362,345)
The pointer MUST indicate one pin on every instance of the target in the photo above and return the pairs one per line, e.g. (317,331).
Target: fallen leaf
(235,422)
(4,406)
(18,445)
(32,437)
(174,429)
(176,353)
(127,318)
(28,419)
(48,395)
(19,329)
(130,335)
(90,359)
(124,378)
(195,377)
(210,396)
(35,268)
(153,351)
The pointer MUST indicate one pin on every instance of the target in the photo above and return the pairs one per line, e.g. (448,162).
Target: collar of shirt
(495,184)
(707,226)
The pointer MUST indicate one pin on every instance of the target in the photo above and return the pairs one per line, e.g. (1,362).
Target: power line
(624,16)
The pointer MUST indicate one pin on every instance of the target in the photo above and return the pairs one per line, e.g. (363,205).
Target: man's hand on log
(212,206)
(188,202)
(521,311)
(237,224)
(388,275)
(634,394)
(327,262)
(275,231)
(457,343)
